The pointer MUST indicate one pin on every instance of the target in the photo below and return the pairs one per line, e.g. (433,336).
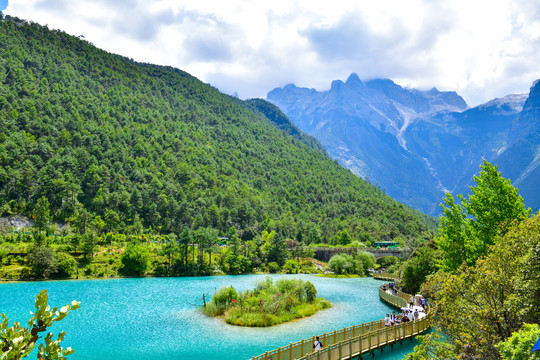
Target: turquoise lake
(157,318)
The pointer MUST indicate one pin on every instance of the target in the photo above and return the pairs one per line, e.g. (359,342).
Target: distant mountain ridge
(415,144)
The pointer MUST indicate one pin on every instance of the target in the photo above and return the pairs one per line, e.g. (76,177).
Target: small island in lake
(268,304)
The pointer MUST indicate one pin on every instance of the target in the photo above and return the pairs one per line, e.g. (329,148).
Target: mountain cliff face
(520,158)
(415,144)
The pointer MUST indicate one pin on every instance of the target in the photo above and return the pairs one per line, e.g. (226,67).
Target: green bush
(357,244)
(367,259)
(291,286)
(160,269)
(415,270)
(519,345)
(291,266)
(222,300)
(273,267)
(341,264)
(3,254)
(310,291)
(135,260)
(67,265)
(42,262)
(388,261)
(265,285)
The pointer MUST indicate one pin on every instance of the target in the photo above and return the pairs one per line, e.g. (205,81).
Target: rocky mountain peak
(533,101)
(354,80)
(417,144)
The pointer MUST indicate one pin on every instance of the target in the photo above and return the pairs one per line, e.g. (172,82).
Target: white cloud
(482,49)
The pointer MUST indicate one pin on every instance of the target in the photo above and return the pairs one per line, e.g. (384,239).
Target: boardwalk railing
(385,276)
(399,300)
(367,343)
(352,341)
(305,346)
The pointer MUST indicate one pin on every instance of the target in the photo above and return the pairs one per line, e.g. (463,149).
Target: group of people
(412,300)
(406,316)
(390,287)
(422,302)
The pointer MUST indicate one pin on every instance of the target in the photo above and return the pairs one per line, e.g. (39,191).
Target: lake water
(157,318)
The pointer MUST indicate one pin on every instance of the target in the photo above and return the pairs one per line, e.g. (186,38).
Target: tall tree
(42,214)
(170,248)
(467,229)
(455,232)
(494,205)
(277,251)
(186,238)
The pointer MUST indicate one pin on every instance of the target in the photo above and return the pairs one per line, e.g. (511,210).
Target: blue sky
(3,4)
(482,49)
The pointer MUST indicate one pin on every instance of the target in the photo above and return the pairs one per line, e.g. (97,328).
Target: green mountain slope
(133,144)
(279,119)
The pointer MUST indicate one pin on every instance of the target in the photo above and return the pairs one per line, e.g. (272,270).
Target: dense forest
(481,275)
(115,145)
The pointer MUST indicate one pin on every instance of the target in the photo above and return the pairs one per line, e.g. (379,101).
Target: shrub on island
(268,304)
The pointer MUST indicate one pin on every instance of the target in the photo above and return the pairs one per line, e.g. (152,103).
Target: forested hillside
(119,146)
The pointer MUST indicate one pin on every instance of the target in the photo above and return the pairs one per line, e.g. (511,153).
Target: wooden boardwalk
(353,341)
(385,276)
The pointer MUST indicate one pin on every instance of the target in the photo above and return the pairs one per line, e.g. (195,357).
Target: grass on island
(268,304)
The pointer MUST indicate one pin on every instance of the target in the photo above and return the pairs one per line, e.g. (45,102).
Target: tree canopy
(108,145)
(467,229)
(481,305)
(488,286)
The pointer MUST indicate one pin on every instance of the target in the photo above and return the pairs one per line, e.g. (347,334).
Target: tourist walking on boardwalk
(317,345)
(387,321)
(424,303)
(393,318)
(405,317)
(411,301)
(415,314)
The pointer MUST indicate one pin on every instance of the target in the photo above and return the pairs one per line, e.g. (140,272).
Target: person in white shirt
(317,345)
(387,321)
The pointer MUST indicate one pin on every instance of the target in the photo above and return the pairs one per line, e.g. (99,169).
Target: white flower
(63,309)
